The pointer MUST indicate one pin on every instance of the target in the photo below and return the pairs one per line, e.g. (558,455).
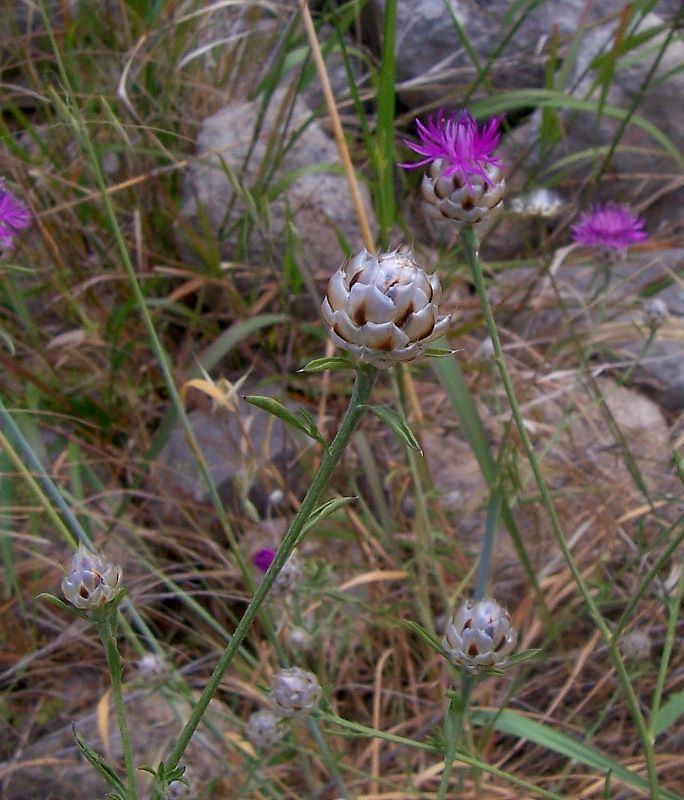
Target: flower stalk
(106,627)
(365,377)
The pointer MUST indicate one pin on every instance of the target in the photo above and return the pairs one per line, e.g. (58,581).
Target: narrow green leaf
(438,352)
(420,631)
(397,425)
(669,713)
(325,511)
(275,407)
(509,722)
(96,761)
(322,364)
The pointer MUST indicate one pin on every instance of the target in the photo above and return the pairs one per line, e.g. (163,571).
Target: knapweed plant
(395,520)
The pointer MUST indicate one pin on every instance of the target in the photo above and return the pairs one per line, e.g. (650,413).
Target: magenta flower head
(263,558)
(14,217)
(464,180)
(609,226)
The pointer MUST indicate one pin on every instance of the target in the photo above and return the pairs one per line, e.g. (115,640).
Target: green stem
(670,637)
(452,718)
(360,396)
(469,241)
(107,630)
(327,756)
(640,356)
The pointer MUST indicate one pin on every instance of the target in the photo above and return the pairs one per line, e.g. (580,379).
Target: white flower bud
(537,203)
(152,666)
(480,634)
(636,645)
(91,580)
(299,639)
(655,313)
(384,308)
(295,692)
(263,730)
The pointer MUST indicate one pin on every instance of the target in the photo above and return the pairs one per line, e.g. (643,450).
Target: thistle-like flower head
(91,580)
(456,140)
(610,226)
(384,308)
(14,217)
(480,634)
(295,692)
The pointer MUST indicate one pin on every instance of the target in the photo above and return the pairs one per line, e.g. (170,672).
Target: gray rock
(433,57)
(529,307)
(240,447)
(241,155)
(53,769)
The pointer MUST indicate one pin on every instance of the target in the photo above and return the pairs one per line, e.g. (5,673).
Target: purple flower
(610,225)
(263,558)
(458,141)
(14,216)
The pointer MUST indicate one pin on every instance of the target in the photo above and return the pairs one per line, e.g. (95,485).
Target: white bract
(480,634)
(295,692)
(91,580)
(384,308)
(456,199)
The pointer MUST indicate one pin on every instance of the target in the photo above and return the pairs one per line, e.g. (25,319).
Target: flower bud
(655,313)
(295,692)
(480,634)
(152,666)
(384,308)
(299,639)
(263,730)
(91,580)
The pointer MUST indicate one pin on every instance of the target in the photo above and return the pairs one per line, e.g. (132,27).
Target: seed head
(384,308)
(609,226)
(464,180)
(91,580)
(263,730)
(480,634)
(295,692)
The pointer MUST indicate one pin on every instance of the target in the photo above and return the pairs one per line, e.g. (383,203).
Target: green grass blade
(514,724)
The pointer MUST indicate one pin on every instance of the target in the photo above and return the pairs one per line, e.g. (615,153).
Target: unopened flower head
(655,313)
(538,203)
(609,226)
(464,180)
(14,217)
(480,634)
(91,580)
(299,639)
(152,666)
(295,692)
(636,645)
(263,730)
(384,307)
